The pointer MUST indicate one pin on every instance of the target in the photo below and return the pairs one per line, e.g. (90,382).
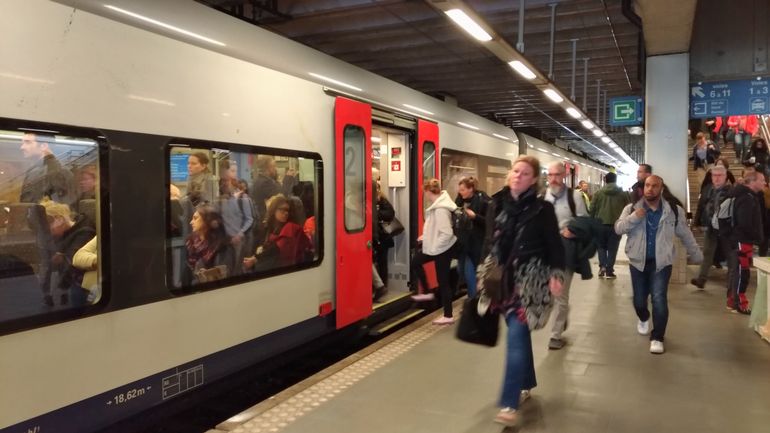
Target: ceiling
(411,42)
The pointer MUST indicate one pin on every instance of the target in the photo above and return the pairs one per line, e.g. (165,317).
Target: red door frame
(354,250)
(426,131)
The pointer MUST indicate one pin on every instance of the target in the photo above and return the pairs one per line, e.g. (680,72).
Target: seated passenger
(286,243)
(209,254)
(68,237)
(87,259)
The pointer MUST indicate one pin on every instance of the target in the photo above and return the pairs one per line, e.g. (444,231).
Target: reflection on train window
(455,165)
(428,161)
(235,215)
(49,195)
(355,189)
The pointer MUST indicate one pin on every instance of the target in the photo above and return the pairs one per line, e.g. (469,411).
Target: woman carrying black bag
(472,205)
(383,241)
(523,238)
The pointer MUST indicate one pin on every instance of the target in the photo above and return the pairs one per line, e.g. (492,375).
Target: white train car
(107,108)
(578,168)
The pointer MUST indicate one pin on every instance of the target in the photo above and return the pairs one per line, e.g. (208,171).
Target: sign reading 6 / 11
(730,98)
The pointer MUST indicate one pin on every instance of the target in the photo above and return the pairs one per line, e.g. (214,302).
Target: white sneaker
(656,347)
(643,327)
(424,297)
(443,320)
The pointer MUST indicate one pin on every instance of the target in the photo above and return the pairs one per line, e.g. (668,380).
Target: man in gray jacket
(651,224)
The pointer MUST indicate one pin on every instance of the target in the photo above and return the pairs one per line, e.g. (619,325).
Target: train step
(401,319)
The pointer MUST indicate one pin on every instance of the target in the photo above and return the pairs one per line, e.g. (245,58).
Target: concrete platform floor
(713,378)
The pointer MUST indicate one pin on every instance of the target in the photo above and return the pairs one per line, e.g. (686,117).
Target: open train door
(353,174)
(427,164)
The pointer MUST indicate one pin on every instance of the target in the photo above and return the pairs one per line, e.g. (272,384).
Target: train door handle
(368,245)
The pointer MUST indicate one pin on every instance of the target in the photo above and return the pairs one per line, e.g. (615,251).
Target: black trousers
(442,262)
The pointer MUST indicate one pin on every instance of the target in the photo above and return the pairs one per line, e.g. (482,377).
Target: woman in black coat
(383,213)
(522,237)
(472,205)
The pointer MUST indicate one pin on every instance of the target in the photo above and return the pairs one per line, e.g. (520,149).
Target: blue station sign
(730,98)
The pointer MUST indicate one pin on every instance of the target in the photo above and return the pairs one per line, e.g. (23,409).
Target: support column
(665,140)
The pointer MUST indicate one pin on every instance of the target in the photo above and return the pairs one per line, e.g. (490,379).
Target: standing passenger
(201,185)
(567,204)
(473,203)
(522,232)
(711,197)
(651,224)
(438,240)
(266,183)
(607,206)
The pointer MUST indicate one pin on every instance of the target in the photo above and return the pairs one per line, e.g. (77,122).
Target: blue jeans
(467,269)
(519,363)
(646,283)
(608,248)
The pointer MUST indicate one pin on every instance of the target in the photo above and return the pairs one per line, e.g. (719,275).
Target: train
(116,104)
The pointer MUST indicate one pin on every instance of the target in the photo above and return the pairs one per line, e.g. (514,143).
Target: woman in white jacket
(438,242)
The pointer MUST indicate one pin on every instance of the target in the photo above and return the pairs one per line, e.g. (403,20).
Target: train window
(355,192)
(238,212)
(49,195)
(428,161)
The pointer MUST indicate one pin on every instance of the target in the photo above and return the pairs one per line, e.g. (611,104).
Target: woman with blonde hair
(523,238)
(438,242)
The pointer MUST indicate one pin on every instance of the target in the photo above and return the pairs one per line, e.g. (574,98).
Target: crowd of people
(232,232)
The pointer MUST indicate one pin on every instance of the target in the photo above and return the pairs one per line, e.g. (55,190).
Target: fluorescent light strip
(463,20)
(587,124)
(417,109)
(50,131)
(152,100)
(531,146)
(606,139)
(332,80)
(68,141)
(598,132)
(11,137)
(574,113)
(23,78)
(501,136)
(555,154)
(468,126)
(165,26)
(542,150)
(553,95)
(522,69)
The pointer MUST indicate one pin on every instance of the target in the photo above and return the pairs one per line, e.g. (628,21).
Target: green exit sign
(626,111)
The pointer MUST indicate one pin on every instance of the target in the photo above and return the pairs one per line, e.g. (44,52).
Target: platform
(713,377)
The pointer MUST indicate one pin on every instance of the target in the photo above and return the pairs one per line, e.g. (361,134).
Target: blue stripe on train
(105,409)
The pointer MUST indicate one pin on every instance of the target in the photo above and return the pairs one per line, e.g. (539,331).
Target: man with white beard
(568,204)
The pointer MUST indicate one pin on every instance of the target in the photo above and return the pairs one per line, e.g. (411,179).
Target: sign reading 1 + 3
(730,98)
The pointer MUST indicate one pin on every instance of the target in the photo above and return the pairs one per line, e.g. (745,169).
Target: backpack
(722,219)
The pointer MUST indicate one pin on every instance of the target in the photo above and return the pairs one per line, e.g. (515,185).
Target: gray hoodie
(437,233)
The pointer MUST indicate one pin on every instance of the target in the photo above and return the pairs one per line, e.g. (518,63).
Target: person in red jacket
(286,243)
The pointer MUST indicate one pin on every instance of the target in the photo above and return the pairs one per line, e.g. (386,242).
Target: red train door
(353,174)
(427,163)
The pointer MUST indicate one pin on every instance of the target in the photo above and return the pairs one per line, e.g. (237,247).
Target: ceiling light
(606,140)
(574,113)
(501,136)
(575,161)
(553,95)
(376,139)
(152,100)
(542,150)
(332,80)
(614,146)
(587,124)
(531,146)
(598,132)
(468,126)
(25,78)
(165,26)
(463,20)
(417,109)
(522,69)
(555,154)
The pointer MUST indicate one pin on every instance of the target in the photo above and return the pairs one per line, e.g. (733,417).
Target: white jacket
(437,233)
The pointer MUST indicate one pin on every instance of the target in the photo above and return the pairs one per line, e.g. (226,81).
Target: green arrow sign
(626,111)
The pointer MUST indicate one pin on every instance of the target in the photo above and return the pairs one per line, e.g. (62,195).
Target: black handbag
(475,328)
(392,228)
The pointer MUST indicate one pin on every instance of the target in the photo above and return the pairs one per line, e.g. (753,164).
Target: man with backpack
(567,204)
(740,227)
(607,205)
(711,197)
(650,225)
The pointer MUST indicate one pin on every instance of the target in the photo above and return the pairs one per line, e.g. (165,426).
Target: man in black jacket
(711,197)
(745,231)
(637,191)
